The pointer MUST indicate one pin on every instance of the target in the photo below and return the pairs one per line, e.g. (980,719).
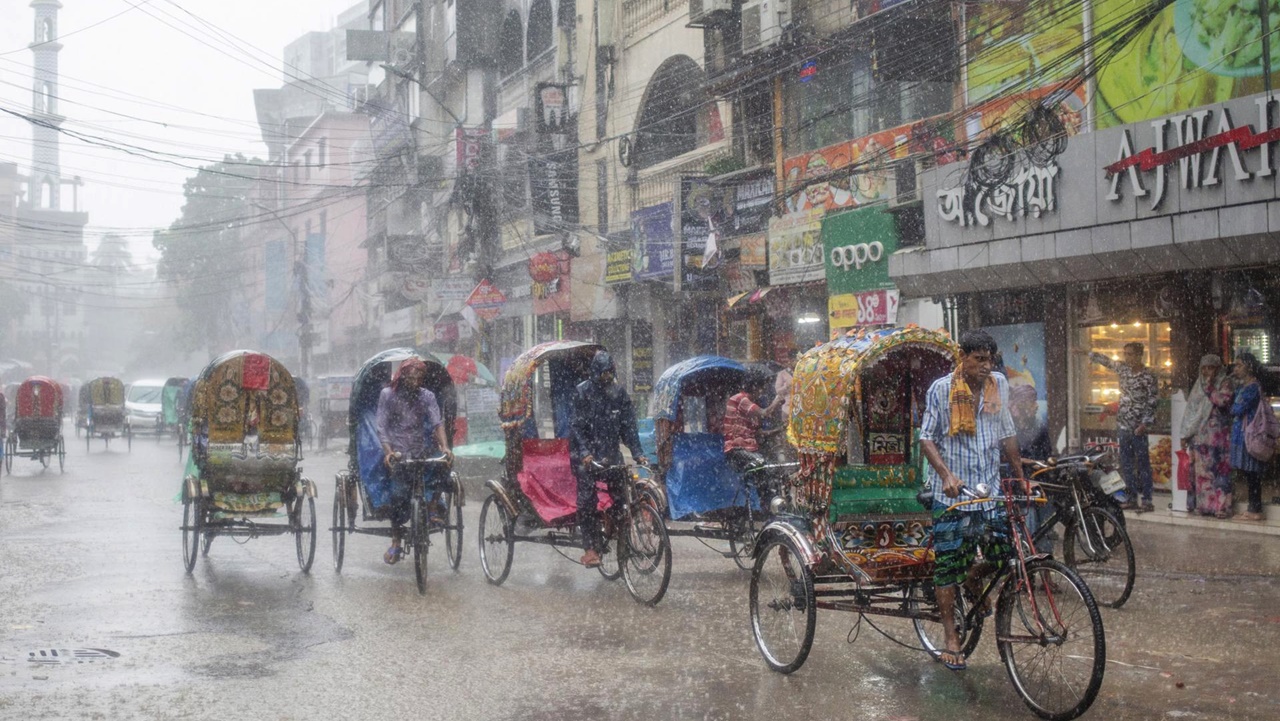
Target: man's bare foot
(953,660)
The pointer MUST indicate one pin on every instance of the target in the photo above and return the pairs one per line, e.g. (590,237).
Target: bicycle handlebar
(441,460)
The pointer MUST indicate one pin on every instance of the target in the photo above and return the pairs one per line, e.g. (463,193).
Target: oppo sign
(855,256)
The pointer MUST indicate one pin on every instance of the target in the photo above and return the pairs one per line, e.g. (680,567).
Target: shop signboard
(553,185)
(550,286)
(470,142)
(618,268)
(752,202)
(870,307)
(641,357)
(795,248)
(753,250)
(857,246)
(486,300)
(703,217)
(654,242)
(482,414)
(1022,348)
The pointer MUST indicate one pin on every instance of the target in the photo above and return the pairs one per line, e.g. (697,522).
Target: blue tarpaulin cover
(700,480)
(666,392)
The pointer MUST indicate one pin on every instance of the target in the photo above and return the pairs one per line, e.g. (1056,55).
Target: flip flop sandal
(953,666)
(393,555)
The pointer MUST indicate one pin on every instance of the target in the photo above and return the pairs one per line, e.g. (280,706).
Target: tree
(203,254)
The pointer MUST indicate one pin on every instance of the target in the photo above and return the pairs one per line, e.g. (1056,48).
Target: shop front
(1160,233)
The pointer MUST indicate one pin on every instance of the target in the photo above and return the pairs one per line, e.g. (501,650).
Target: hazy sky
(134,79)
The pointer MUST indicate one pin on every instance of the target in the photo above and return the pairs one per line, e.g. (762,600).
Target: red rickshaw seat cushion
(547,478)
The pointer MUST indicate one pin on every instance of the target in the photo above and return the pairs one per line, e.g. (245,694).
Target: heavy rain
(639,359)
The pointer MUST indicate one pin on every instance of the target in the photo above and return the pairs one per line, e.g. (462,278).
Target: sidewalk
(1163,514)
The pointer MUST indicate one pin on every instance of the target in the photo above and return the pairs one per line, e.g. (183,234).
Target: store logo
(856,256)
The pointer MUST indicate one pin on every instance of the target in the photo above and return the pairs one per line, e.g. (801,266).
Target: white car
(142,403)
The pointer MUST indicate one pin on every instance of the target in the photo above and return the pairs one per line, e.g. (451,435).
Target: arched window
(540,20)
(44,102)
(511,45)
(671,114)
(46,30)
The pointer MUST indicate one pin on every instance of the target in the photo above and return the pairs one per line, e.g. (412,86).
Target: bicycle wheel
(339,528)
(917,599)
(62,455)
(497,540)
(783,610)
(610,561)
(1051,640)
(418,540)
(304,531)
(1100,551)
(645,554)
(453,522)
(192,522)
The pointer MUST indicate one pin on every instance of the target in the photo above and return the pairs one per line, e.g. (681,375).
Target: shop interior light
(1115,325)
(808,319)
(1115,356)
(1137,324)
(1168,364)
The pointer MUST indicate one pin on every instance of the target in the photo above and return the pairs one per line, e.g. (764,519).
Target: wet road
(91,559)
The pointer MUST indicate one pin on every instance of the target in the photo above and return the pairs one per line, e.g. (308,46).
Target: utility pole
(301,272)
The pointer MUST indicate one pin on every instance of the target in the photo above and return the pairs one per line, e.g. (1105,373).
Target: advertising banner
(654,242)
(753,250)
(872,307)
(795,248)
(618,266)
(486,300)
(1022,350)
(553,185)
(858,245)
(641,357)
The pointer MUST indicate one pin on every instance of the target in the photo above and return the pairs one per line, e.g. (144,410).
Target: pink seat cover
(547,479)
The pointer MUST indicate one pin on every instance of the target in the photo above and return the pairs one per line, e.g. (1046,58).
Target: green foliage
(203,254)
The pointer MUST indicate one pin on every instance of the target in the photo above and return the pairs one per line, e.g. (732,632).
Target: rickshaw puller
(742,416)
(603,420)
(408,418)
(966,427)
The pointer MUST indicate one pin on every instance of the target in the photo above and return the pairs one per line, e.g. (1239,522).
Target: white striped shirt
(973,458)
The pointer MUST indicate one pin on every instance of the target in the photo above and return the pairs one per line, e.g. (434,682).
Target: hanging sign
(486,300)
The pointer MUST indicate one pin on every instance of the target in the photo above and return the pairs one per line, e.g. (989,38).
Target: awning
(751,296)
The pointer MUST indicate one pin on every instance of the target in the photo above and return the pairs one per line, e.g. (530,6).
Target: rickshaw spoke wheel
(62,455)
(192,523)
(1051,640)
(930,633)
(418,540)
(304,531)
(452,500)
(645,555)
(1100,551)
(339,528)
(783,609)
(497,540)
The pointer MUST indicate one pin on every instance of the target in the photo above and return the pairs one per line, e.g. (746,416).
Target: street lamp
(304,305)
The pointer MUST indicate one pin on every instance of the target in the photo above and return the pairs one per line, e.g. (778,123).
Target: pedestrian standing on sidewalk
(1244,466)
(1206,434)
(1139,393)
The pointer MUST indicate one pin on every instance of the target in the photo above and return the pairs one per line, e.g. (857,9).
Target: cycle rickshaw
(37,424)
(172,397)
(368,476)
(536,499)
(84,393)
(854,536)
(105,415)
(243,467)
(698,491)
(306,424)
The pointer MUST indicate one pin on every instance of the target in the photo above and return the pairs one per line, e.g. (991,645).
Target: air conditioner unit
(763,22)
(708,12)
(908,188)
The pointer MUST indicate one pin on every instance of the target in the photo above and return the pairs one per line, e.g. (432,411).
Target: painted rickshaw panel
(517,386)
(106,408)
(870,506)
(237,394)
(171,399)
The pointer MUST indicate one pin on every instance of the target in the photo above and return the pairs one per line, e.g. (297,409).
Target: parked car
(143,404)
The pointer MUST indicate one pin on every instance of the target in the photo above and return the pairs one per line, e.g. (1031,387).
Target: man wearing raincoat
(603,420)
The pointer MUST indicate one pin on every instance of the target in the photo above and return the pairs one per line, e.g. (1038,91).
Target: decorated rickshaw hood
(517,391)
(667,391)
(825,380)
(375,374)
(221,397)
(104,391)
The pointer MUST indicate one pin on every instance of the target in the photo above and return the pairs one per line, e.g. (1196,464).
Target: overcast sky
(137,65)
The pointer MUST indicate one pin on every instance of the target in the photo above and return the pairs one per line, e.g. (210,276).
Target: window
(830,101)
(306,160)
(378,16)
(322,150)
(540,22)
(669,119)
(48,198)
(44,31)
(44,98)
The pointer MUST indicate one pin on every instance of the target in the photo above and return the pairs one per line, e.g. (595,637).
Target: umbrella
(466,370)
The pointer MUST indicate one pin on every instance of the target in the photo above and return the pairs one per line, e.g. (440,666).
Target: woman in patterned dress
(1206,434)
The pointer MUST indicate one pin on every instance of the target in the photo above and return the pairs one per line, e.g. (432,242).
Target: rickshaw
(105,414)
(36,432)
(853,535)
(243,467)
(333,397)
(171,400)
(4,425)
(535,501)
(367,475)
(698,491)
(82,408)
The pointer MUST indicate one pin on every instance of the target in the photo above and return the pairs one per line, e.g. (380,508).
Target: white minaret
(46,172)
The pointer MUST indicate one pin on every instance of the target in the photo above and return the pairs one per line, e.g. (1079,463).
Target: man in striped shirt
(965,429)
(742,416)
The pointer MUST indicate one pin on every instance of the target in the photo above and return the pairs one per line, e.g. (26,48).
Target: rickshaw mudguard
(649,485)
(458,491)
(500,491)
(795,530)
(306,488)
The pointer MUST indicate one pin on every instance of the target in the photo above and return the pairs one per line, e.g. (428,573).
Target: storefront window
(1100,387)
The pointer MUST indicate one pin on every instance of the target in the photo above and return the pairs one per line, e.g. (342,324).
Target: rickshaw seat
(249,481)
(700,479)
(37,428)
(547,479)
